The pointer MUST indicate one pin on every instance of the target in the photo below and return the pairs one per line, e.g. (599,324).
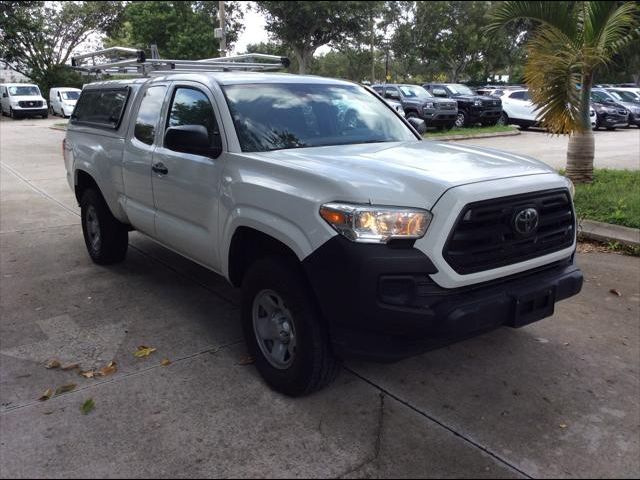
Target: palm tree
(569,42)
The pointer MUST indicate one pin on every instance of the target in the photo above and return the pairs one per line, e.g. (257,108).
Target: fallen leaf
(108,370)
(46,395)
(65,388)
(166,362)
(563,425)
(87,406)
(247,360)
(73,366)
(566,344)
(88,374)
(51,364)
(144,351)
(48,413)
(615,292)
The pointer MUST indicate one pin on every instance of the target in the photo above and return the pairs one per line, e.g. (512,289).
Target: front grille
(448,106)
(30,103)
(485,237)
(491,103)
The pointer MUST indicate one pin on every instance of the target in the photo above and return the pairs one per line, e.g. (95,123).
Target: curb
(471,137)
(609,233)
(62,129)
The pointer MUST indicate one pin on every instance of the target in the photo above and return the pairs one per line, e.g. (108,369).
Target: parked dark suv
(610,113)
(417,102)
(472,108)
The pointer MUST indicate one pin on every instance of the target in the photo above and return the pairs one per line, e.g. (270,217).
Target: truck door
(186,186)
(138,158)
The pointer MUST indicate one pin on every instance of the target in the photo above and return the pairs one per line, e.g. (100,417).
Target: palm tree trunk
(581,147)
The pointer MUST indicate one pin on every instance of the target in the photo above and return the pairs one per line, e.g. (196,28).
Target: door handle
(160,168)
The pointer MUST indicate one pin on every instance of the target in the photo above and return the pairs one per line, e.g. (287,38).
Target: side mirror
(419,124)
(192,139)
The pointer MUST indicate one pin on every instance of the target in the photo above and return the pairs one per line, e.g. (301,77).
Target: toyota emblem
(526,221)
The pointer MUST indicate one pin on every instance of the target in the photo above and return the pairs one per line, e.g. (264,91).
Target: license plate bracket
(532,306)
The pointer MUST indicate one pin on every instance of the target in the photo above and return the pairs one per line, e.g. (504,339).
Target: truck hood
(404,173)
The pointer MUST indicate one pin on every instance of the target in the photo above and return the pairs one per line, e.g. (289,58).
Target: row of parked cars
(445,105)
(611,106)
(19,100)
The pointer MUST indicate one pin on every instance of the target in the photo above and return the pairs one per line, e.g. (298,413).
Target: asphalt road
(619,149)
(560,398)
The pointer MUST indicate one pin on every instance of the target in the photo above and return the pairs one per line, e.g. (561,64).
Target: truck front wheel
(284,330)
(106,238)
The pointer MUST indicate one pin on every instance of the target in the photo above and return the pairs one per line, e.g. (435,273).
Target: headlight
(572,188)
(376,224)
(430,105)
(477,103)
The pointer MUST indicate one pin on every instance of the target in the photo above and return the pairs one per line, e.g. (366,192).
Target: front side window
(24,91)
(192,107)
(628,96)
(149,114)
(291,115)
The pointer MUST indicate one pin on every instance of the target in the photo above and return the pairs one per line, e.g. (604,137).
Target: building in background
(9,75)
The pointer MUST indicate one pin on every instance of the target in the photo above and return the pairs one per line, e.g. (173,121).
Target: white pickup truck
(348,233)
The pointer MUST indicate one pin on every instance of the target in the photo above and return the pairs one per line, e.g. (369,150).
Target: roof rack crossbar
(115,61)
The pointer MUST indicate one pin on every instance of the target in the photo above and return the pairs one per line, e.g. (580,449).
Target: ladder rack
(134,62)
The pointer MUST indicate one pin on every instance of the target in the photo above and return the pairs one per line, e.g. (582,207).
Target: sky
(254,31)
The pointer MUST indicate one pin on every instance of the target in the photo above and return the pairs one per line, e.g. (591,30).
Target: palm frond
(553,73)
(560,15)
(609,28)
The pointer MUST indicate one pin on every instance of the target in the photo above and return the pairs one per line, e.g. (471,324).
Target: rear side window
(149,114)
(101,107)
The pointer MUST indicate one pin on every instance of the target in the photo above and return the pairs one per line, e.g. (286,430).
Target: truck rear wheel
(284,330)
(106,238)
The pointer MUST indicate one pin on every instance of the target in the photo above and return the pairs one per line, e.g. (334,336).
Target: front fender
(270,224)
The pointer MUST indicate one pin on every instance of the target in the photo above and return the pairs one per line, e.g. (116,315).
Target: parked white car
(517,109)
(62,100)
(22,100)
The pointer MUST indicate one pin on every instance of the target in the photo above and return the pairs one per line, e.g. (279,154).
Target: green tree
(570,42)
(38,38)
(181,30)
(305,26)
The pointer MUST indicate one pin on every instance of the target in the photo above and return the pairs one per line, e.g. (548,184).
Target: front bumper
(438,118)
(29,112)
(613,119)
(484,113)
(382,305)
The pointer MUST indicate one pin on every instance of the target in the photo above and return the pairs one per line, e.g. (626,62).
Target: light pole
(223,33)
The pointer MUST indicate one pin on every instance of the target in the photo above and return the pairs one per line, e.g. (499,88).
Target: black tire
(313,366)
(611,128)
(411,114)
(46,115)
(11,114)
(503,120)
(113,235)
(462,119)
(524,127)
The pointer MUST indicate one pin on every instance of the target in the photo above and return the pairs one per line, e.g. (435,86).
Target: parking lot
(560,398)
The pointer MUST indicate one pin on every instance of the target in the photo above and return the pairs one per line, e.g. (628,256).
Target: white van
(22,100)
(63,100)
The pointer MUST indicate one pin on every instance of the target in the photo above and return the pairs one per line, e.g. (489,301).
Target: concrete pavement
(558,398)
(619,149)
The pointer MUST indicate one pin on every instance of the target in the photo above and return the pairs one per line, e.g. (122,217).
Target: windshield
(414,92)
(614,95)
(70,95)
(26,91)
(628,96)
(290,115)
(458,89)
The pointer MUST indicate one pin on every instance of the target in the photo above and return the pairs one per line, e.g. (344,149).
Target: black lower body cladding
(381,304)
